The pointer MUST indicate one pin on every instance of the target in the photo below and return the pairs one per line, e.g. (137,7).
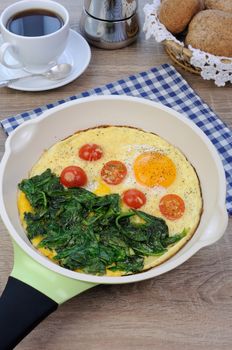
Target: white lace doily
(212,67)
(129,7)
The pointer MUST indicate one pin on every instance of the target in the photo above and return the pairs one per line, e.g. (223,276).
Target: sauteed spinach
(89,232)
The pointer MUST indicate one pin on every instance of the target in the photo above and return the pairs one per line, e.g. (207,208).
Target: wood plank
(187,308)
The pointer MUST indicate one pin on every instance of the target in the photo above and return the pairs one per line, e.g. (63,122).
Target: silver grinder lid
(111,10)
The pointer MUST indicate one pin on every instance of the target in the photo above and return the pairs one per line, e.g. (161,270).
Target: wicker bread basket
(192,60)
(180,55)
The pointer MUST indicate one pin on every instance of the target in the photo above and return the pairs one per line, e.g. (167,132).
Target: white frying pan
(37,286)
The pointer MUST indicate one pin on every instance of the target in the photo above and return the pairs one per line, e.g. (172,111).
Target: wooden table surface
(187,308)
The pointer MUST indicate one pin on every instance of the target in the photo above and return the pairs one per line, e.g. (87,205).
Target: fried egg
(157,169)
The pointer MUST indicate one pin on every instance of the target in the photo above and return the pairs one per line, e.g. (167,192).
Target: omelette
(150,177)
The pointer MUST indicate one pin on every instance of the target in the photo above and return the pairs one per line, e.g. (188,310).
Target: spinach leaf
(91,233)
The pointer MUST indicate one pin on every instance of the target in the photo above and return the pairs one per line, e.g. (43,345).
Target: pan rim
(156,271)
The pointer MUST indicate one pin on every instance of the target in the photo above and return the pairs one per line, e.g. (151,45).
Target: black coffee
(35,22)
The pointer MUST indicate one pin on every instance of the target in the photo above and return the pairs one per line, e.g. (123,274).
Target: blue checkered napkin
(161,84)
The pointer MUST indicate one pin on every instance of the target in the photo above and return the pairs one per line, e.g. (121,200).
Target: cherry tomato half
(172,206)
(134,198)
(91,152)
(113,172)
(73,176)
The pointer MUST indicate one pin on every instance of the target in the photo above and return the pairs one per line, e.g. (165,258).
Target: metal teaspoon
(57,72)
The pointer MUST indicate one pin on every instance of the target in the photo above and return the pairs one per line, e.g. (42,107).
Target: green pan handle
(31,294)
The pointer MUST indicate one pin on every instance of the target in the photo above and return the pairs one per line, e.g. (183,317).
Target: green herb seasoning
(89,232)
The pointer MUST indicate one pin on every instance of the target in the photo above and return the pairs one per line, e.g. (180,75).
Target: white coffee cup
(33,53)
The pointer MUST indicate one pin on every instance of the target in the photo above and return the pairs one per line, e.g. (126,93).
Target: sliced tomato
(73,176)
(90,152)
(134,198)
(172,206)
(113,172)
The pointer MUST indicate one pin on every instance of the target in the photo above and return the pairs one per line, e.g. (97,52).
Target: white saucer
(77,53)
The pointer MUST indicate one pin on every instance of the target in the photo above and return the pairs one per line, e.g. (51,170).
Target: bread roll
(223,5)
(211,31)
(176,14)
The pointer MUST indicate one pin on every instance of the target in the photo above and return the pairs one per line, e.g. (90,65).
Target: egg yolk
(102,189)
(24,206)
(154,169)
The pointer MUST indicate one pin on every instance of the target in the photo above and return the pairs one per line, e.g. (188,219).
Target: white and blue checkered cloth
(161,84)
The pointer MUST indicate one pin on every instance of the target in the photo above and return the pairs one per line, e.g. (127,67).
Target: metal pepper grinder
(110,24)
